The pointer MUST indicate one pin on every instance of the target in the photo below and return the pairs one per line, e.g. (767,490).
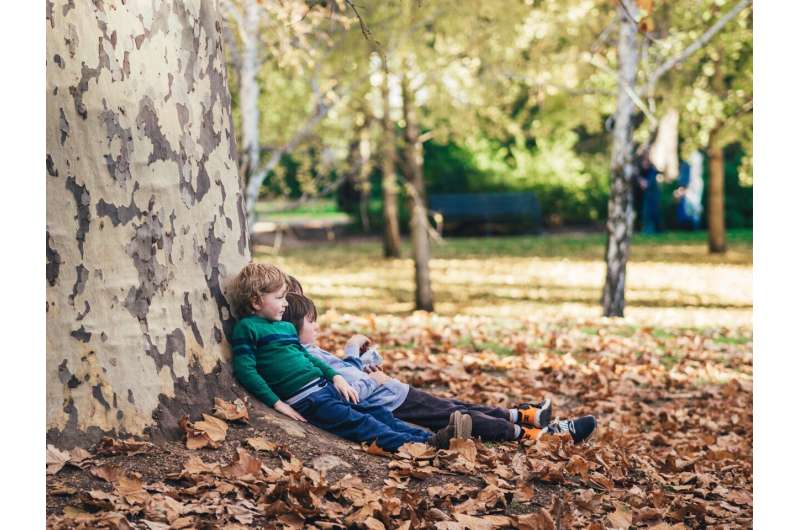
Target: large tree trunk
(620,201)
(420,242)
(391,226)
(716,195)
(145,216)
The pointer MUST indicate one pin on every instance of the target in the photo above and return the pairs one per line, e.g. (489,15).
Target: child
(269,361)
(529,422)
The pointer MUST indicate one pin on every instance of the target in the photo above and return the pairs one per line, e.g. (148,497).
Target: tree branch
(696,45)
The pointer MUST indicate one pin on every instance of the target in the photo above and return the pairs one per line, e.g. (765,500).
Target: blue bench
(518,211)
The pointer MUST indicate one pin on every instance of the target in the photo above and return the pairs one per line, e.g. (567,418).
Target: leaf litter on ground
(673,447)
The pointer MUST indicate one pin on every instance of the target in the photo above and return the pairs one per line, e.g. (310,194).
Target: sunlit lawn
(672,280)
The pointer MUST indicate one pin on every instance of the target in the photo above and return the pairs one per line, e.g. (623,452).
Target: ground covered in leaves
(673,447)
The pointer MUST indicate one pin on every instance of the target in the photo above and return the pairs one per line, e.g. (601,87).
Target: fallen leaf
(107,472)
(244,467)
(231,411)
(621,517)
(464,447)
(262,444)
(195,465)
(111,446)
(538,520)
(56,459)
(577,465)
(373,524)
(373,449)
(207,432)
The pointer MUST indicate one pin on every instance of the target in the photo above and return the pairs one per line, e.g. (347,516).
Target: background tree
(145,216)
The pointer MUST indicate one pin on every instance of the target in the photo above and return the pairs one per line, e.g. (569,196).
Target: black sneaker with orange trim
(535,414)
(580,429)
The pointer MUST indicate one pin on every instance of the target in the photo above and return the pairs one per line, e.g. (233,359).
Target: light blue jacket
(391,394)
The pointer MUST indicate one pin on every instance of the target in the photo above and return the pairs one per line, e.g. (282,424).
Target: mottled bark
(391,226)
(145,216)
(620,202)
(420,242)
(716,195)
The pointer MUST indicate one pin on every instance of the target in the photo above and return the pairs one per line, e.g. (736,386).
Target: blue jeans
(327,410)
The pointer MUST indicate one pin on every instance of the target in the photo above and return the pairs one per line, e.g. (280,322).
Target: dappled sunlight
(357,279)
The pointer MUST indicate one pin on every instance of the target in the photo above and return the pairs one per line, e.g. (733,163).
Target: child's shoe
(460,426)
(535,414)
(580,428)
(531,433)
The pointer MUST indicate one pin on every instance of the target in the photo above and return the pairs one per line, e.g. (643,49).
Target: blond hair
(252,281)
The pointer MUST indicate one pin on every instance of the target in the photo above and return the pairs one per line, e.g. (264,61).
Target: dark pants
(433,412)
(327,410)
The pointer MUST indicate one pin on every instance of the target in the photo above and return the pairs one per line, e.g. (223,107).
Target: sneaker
(532,433)
(536,414)
(580,428)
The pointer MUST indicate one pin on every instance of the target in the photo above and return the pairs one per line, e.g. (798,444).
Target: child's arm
(339,382)
(360,347)
(244,368)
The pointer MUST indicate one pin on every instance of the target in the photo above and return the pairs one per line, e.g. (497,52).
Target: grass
(317,210)
(672,280)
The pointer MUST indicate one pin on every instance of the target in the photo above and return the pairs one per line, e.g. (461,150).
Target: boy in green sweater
(270,362)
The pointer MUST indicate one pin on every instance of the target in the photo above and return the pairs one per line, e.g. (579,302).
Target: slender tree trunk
(145,217)
(716,195)
(391,226)
(420,242)
(249,89)
(364,169)
(620,201)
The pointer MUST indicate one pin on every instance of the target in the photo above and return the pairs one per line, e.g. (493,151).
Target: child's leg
(383,415)
(433,412)
(329,412)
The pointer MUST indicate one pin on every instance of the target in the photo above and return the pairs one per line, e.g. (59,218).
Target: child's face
(308,334)
(270,305)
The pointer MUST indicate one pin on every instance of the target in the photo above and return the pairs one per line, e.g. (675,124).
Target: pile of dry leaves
(673,447)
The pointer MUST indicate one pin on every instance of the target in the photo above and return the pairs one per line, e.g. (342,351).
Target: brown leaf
(195,465)
(244,467)
(111,446)
(107,472)
(56,459)
(538,520)
(464,447)
(373,449)
(416,451)
(373,524)
(473,523)
(231,411)
(207,432)
(621,517)
(262,444)
(577,465)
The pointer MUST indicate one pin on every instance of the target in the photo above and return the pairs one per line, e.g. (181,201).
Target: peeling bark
(138,241)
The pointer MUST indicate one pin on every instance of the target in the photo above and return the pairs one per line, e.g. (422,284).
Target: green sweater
(269,361)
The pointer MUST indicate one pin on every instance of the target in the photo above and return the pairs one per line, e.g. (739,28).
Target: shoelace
(562,426)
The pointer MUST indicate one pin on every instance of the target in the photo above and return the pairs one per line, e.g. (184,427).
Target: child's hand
(287,410)
(357,345)
(347,392)
(370,368)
